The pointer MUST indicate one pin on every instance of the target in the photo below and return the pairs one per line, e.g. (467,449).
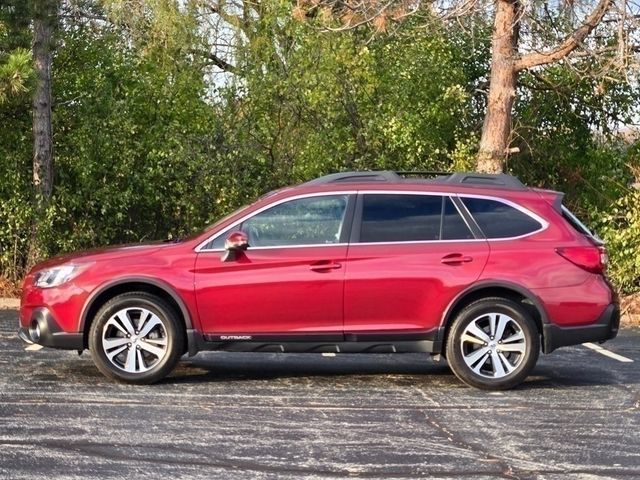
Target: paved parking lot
(242,416)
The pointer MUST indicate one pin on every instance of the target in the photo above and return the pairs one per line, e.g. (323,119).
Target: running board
(199,343)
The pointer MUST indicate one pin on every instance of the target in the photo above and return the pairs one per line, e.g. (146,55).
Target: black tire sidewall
(470,313)
(172,329)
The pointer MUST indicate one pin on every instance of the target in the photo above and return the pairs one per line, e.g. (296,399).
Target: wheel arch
(131,284)
(497,288)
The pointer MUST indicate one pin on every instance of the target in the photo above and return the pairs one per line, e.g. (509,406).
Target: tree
(506,64)
(169,115)
(525,37)
(304,103)
(45,14)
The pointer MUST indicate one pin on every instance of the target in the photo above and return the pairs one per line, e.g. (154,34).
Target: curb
(630,320)
(9,303)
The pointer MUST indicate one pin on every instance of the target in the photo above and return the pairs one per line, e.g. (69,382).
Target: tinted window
(305,221)
(577,225)
(453,225)
(400,218)
(575,222)
(498,220)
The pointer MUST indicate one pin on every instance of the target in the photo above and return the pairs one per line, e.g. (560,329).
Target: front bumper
(44,330)
(605,328)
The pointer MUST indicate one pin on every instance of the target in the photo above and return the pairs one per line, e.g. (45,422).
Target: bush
(620,229)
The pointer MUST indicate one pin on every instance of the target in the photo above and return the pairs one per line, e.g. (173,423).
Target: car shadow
(224,367)
(257,366)
(570,376)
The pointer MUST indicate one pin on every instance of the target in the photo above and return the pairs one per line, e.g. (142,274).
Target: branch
(215,60)
(219,9)
(569,44)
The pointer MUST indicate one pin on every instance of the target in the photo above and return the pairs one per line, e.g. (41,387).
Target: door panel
(273,290)
(406,287)
(290,279)
(410,255)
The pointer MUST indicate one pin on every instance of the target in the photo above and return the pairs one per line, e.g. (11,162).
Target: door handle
(456,259)
(325,266)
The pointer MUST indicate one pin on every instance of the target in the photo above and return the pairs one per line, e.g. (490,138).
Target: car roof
(500,180)
(500,185)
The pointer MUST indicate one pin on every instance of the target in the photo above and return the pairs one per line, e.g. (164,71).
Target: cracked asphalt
(244,416)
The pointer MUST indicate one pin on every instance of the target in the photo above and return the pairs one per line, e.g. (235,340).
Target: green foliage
(151,141)
(620,229)
(136,160)
(15,138)
(564,131)
(15,74)
(330,102)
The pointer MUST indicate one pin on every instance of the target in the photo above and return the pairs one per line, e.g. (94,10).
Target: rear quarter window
(577,225)
(499,220)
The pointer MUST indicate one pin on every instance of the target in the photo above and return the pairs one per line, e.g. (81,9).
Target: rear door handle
(325,266)
(456,259)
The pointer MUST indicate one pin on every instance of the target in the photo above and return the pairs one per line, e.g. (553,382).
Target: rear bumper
(44,330)
(605,328)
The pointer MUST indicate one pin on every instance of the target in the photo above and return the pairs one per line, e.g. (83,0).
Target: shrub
(620,229)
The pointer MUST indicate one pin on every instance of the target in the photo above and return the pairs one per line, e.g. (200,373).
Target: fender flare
(525,292)
(168,289)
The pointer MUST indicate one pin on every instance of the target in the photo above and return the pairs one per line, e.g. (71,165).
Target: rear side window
(411,218)
(400,218)
(499,220)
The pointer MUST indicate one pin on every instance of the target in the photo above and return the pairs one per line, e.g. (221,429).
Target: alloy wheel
(134,340)
(493,345)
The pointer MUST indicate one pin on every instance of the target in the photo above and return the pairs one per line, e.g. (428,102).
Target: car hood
(102,254)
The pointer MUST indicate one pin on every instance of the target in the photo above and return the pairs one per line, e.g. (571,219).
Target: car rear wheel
(136,338)
(493,344)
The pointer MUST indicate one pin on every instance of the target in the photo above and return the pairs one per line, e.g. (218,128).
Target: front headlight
(52,277)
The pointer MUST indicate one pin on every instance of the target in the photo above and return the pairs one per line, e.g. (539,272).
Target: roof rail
(489,179)
(351,177)
(389,176)
(416,173)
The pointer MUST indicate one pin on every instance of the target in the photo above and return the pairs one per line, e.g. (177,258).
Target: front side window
(499,220)
(400,218)
(304,221)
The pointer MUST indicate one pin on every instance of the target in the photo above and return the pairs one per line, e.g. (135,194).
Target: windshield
(214,225)
(225,218)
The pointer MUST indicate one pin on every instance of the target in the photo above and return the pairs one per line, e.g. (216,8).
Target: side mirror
(236,242)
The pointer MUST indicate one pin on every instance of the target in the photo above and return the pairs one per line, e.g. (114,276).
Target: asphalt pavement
(246,416)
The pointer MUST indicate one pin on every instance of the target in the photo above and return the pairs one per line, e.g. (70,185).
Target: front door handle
(325,266)
(456,259)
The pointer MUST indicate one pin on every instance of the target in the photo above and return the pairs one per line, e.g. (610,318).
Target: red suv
(477,268)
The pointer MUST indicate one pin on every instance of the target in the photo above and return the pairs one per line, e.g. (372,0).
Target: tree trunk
(43,26)
(502,88)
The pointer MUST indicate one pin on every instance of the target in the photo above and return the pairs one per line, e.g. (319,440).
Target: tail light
(592,259)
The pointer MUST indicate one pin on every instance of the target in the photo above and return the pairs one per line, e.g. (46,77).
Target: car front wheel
(136,338)
(493,344)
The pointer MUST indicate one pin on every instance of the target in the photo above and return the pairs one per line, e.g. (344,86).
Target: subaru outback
(476,268)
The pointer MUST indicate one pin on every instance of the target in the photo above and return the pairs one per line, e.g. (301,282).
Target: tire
(493,344)
(154,343)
